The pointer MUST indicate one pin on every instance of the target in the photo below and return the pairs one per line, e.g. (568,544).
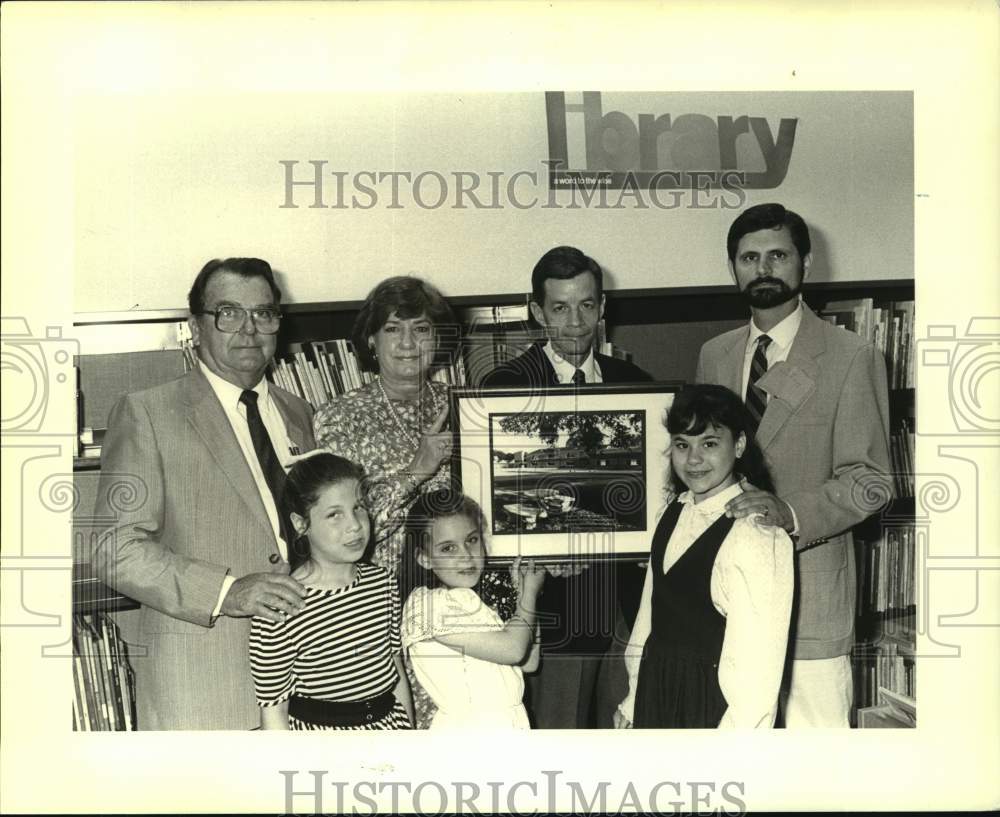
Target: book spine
(335,373)
(101,687)
(301,369)
(336,351)
(110,643)
(79,680)
(317,384)
(352,368)
(321,366)
(346,365)
(291,385)
(90,676)
(907,346)
(127,684)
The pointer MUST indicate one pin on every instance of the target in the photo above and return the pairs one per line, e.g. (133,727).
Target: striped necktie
(756,398)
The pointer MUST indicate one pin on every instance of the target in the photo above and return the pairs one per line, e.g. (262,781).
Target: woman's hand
(435,448)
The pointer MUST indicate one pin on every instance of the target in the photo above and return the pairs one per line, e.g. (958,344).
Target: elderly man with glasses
(191,474)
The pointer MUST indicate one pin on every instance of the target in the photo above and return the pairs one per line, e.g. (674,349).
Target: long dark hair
(695,408)
(306,480)
(428,508)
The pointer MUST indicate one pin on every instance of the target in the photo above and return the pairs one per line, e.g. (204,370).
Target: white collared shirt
(781,337)
(236,413)
(752,585)
(564,369)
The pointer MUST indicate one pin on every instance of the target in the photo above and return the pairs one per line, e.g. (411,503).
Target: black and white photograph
(610,387)
(568,471)
(568,475)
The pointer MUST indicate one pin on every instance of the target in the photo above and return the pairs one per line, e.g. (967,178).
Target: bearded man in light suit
(190,471)
(819,394)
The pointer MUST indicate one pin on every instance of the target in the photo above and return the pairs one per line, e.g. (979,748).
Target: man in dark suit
(578,607)
(190,471)
(819,395)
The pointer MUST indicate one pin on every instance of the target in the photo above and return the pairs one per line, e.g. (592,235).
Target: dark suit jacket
(184,511)
(534,369)
(578,612)
(825,435)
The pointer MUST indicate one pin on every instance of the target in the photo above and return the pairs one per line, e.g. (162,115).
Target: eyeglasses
(231,319)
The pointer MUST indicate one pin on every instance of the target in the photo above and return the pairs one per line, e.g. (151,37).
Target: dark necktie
(274,474)
(756,397)
(579,378)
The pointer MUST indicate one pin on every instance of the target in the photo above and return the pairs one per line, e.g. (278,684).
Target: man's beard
(764,293)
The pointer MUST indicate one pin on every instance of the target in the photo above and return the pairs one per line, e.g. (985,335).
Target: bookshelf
(124,352)
(884,654)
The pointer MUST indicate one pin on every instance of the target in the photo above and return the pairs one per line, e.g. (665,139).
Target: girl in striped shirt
(336,664)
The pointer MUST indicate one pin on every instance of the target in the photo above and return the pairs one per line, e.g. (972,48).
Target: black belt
(341,713)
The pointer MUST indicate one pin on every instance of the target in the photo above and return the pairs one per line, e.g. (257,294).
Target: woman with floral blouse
(396,426)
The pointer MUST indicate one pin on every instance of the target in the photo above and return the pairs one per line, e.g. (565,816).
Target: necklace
(396,418)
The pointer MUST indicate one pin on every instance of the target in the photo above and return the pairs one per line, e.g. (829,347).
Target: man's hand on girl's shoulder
(771,511)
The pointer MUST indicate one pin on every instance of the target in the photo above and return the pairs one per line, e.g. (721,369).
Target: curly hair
(407,297)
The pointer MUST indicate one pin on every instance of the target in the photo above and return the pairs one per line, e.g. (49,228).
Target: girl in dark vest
(708,646)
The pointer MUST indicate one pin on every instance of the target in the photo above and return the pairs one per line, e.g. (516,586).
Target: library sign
(662,151)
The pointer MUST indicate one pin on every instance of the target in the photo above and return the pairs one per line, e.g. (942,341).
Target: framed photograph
(564,473)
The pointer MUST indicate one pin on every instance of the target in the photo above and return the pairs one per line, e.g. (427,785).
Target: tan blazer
(825,435)
(186,513)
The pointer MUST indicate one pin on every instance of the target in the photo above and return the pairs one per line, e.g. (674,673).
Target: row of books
(887,666)
(887,572)
(321,370)
(103,682)
(889,328)
(901,443)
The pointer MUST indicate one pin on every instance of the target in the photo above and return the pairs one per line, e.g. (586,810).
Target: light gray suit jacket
(825,435)
(186,513)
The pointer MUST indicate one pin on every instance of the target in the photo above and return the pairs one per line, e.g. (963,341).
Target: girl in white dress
(463,654)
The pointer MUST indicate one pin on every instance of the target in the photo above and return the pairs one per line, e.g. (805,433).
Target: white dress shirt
(781,336)
(565,370)
(752,584)
(236,413)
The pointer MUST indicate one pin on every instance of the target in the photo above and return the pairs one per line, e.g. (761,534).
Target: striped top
(340,647)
